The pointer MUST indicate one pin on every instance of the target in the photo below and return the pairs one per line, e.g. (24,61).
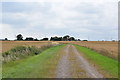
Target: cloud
(10,32)
(6,31)
(78,18)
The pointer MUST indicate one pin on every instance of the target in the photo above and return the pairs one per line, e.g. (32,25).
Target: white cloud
(6,31)
(9,32)
(52,18)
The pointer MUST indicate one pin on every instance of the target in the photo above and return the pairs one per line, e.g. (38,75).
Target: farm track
(73,65)
(62,61)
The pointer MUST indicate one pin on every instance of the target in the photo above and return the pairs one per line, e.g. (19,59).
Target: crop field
(65,59)
(7,45)
(107,48)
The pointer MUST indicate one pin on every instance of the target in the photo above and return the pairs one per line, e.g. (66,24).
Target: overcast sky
(96,20)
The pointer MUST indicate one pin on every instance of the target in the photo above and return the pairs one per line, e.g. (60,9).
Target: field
(107,48)
(69,59)
(7,45)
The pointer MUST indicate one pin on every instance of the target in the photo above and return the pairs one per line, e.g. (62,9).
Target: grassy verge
(21,52)
(39,66)
(104,63)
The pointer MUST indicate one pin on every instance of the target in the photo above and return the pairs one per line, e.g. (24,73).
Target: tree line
(19,37)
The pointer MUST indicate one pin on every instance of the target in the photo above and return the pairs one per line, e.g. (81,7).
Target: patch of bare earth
(73,65)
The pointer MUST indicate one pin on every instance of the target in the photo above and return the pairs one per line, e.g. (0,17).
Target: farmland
(107,48)
(71,59)
(7,45)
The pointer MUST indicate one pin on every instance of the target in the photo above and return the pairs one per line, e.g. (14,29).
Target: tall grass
(21,52)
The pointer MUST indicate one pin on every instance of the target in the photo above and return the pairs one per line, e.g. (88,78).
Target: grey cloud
(77,19)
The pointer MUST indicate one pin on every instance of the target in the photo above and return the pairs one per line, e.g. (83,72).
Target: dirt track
(73,65)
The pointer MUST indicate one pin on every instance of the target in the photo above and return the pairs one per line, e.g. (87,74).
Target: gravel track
(63,66)
(66,66)
(93,73)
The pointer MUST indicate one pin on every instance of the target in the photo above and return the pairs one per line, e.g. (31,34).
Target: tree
(66,38)
(36,39)
(6,39)
(29,39)
(19,37)
(71,39)
(85,40)
(56,38)
(51,39)
(45,39)
(79,40)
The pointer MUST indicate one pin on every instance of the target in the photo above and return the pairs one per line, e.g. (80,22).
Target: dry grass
(21,52)
(107,48)
(76,69)
(7,45)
